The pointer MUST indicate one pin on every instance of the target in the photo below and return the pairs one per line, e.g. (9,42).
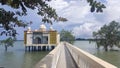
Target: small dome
(29,28)
(42,27)
(51,28)
(36,30)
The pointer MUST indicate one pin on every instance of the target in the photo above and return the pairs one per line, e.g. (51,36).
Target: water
(112,57)
(16,57)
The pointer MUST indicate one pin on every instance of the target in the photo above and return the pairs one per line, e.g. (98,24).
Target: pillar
(32,48)
(48,48)
(52,47)
(39,48)
(25,48)
(43,48)
(28,48)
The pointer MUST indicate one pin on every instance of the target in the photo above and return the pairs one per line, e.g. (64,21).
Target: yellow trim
(53,37)
(25,37)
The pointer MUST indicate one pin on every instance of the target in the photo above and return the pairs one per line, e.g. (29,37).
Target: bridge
(66,55)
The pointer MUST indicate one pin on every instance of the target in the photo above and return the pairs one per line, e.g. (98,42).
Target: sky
(80,20)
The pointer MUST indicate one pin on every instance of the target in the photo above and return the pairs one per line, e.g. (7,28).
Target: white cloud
(83,21)
(77,12)
(74,11)
(85,30)
(58,4)
(113,10)
(80,19)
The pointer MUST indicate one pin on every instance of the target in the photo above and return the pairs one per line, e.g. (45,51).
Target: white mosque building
(41,38)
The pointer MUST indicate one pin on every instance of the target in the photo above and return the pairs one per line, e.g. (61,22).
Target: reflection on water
(112,57)
(16,57)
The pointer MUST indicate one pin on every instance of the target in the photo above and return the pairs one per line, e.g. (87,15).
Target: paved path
(61,57)
(66,60)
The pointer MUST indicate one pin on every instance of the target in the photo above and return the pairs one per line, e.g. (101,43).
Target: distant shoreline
(81,39)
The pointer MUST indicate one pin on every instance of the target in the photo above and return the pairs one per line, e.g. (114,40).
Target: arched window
(38,40)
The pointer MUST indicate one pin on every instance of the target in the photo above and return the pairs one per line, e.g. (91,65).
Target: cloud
(85,30)
(58,4)
(112,10)
(81,20)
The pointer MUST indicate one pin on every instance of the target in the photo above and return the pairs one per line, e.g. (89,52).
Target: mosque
(41,39)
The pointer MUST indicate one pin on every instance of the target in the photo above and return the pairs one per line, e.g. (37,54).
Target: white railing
(56,52)
(50,60)
(86,60)
(81,58)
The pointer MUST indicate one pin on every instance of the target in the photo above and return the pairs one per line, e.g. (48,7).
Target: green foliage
(108,35)
(9,19)
(7,42)
(67,36)
(96,6)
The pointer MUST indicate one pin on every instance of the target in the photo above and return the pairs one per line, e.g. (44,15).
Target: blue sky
(80,20)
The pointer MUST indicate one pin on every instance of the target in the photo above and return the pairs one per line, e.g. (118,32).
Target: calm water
(112,57)
(16,57)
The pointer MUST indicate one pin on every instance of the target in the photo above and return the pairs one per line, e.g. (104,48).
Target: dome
(36,30)
(51,28)
(42,27)
(29,28)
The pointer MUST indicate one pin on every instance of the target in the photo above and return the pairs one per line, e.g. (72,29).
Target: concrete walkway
(66,55)
(66,60)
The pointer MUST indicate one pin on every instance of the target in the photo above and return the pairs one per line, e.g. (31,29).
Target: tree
(66,36)
(96,6)
(7,42)
(9,19)
(108,35)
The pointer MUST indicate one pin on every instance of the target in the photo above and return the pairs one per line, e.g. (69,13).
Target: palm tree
(7,42)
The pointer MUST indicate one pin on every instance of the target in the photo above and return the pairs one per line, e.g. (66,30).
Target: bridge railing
(82,59)
(86,60)
(50,60)
(56,54)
